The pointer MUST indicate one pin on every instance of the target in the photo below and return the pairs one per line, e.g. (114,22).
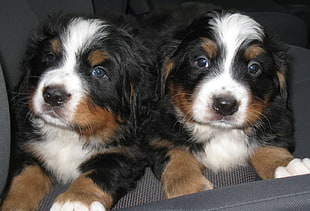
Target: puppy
(77,113)
(223,104)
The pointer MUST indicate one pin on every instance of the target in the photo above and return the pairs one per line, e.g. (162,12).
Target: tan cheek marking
(92,120)
(266,159)
(209,47)
(182,101)
(96,57)
(27,190)
(256,108)
(84,190)
(183,175)
(30,102)
(253,51)
(255,111)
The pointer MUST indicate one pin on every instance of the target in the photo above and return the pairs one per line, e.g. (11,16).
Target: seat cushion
(149,189)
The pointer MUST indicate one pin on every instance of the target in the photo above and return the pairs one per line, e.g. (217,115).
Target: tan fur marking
(159,143)
(120,150)
(282,82)
(182,101)
(266,159)
(168,65)
(84,190)
(27,190)
(30,102)
(92,120)
(183,175)
(255,109)
(55,45)
(253,51)
(209,46)
(96,57)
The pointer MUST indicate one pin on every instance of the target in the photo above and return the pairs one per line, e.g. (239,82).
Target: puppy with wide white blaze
(77,114)
(224,104)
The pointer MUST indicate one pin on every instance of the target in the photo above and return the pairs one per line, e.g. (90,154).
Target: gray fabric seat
(149,190)
(5,134)
(17,18)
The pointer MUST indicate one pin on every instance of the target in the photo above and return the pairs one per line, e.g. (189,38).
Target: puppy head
(223,70)
(82,73)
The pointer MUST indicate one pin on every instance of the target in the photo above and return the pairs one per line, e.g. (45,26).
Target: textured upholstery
(5,132)
(149,190)
(18,17)
(276,194)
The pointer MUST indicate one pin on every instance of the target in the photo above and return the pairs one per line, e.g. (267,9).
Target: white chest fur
(62,152)
(223,148)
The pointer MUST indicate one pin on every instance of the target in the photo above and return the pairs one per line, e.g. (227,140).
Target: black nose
(225,105)
(55,96)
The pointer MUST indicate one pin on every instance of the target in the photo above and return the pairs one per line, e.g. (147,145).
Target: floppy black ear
(137,80)
(138,93)
(182,34)
(281,61)
(166,62)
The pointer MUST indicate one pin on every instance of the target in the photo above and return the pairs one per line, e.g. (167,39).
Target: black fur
(125,94)
(181,43)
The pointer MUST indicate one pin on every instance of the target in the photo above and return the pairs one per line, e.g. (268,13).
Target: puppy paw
(185,186)
(294,168)
(76,205)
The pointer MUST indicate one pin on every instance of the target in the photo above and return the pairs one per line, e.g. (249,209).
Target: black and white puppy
(224,104)
(79,107)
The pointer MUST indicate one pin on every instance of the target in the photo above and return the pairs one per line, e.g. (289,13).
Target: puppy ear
(166,68)
(281,76)
(281,58)
(166,62)
(137,84)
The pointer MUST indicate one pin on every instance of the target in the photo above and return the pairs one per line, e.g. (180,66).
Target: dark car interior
(241,189)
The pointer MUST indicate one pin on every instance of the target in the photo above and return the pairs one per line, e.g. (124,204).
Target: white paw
(77,206)
(295,167)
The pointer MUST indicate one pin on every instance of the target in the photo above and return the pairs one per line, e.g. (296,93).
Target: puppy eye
(50,58)
(99,72)
(254,68)
(202,62)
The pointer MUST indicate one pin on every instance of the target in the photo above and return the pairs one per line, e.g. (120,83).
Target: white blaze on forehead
(79,35)
(225,147)
(232,30)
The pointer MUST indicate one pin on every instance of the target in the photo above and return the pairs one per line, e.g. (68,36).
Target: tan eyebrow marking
(55,45)
(96,57)
(209,46)
(253,51)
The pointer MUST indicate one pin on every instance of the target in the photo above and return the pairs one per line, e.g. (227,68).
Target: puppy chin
(49,119)
(218,121)
(53,116)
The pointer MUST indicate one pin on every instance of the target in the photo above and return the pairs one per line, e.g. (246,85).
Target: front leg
(106,178)
(27,189)
(183,175)
(83,194)
(276,162)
